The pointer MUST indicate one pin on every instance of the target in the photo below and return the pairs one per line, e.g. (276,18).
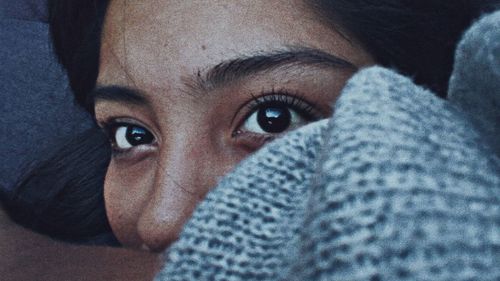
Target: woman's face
(187,89)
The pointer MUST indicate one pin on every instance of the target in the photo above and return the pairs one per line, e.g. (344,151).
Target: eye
(273,119)
(271,115)
(126,136)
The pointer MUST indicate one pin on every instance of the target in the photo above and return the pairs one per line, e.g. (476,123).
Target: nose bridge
(181,164)
(180,183)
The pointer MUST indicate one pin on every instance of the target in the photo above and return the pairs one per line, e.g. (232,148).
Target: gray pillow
(37,111)
(29,10)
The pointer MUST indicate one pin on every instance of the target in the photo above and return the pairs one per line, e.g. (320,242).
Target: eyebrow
(232,70)
(118,94)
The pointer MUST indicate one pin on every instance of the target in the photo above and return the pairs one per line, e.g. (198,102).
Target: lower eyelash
(252,141)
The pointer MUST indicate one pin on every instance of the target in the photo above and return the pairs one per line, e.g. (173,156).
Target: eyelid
(111,124)
(293,100)
(251,140)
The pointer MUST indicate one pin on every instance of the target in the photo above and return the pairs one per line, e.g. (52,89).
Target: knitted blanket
(397,184)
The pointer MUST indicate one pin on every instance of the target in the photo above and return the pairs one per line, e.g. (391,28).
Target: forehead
(151,41)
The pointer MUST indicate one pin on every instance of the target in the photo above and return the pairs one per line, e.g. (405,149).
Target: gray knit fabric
(397,185)
(480,49)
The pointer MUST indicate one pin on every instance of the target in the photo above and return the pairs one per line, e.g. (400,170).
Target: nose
(185,172)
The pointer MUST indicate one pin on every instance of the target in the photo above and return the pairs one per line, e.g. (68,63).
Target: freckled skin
(155,46)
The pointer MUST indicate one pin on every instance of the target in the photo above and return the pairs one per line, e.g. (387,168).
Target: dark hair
(62,196)
(75,28)
(417,38)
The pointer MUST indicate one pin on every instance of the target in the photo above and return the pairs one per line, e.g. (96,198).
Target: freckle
(203,47)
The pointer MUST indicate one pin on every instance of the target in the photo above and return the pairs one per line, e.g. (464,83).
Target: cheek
(126,192)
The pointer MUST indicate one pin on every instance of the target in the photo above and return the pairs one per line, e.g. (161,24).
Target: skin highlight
(200,123)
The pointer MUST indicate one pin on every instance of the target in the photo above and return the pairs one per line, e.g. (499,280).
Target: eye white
(252,124)
(121,138)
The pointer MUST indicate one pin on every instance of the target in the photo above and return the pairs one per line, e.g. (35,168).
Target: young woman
(185,90)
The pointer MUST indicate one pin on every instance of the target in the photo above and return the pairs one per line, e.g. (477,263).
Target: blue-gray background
(37,110)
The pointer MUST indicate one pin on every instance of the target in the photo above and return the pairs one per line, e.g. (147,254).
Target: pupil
(138,135)
(274,119)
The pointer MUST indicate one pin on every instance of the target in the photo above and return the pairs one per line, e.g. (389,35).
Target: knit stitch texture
(396,185)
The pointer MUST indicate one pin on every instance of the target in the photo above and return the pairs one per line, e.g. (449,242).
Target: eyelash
(286,98)
(109,127)
(295,101)
(282,97)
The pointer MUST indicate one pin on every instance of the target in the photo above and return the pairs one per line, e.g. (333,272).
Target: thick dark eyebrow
(232,70)
(235,69)
(118,94)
